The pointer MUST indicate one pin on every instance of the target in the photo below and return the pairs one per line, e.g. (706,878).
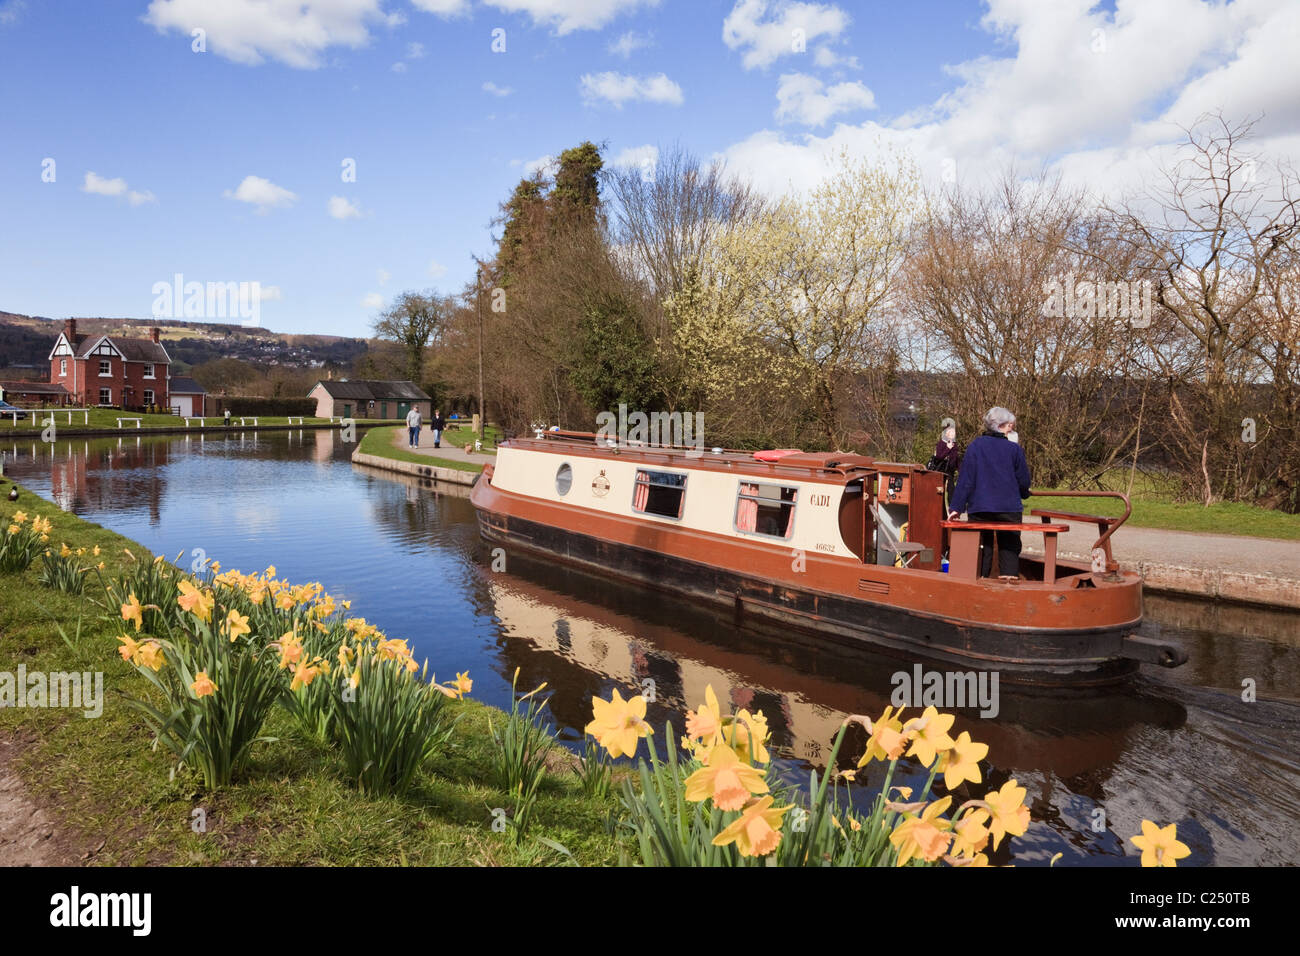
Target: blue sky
(172,136)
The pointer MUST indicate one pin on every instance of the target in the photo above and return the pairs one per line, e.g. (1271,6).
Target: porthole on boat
(564,479)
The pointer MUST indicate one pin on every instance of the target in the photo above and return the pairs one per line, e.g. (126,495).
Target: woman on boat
(991,487)
(946,458)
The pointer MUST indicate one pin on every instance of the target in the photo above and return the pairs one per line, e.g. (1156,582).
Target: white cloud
(341,208)
(269,293)
(102,186)
(828,59)
(490,87)
(767,31)
(630,42)
(443,8)
(1095,95)
(641,157)
(98,185)
(399,67)
(295,32)
(807,100)
(436,268)
(565,16)
(414,51)
(620,88)
(543,163)
(261,193)
(373,301)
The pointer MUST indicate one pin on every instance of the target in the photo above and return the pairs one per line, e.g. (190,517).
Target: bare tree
(413,321)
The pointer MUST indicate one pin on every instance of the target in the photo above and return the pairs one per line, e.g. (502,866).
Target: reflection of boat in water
(839,545)
(805,689)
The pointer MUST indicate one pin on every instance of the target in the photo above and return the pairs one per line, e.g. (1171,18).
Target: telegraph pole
(478,299)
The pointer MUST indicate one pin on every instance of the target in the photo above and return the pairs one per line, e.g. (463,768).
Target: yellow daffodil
(706,723)
(887,741)
(747,733)
(65,551)
(203,685)
(304,674)
(290,649)
(132,611)
(95,550)
(195,601)
(727,780)
(463,684)
(237,625)
(13,529)
(757,832)
(926,836)
(129,648)
(20,517)
(970,835)
(1009,814)
(1160,846)
(150,655)
(929,735)
(41,525)
(618,724)
(962,761)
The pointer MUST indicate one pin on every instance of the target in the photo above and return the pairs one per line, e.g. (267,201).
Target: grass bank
(106,420)
(107,789)
(379,442)
(1155,506)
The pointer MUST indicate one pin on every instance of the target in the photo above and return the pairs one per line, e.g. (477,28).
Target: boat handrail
(1106,525)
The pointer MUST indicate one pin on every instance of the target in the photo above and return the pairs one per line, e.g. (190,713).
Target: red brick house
(111,370)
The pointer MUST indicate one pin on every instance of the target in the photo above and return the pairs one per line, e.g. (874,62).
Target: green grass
(102,780)
(105,419)
(1154,506)
(379,442)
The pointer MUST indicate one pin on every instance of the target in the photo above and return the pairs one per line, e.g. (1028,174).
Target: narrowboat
(839,545)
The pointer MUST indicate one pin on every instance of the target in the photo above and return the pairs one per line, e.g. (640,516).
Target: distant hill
(26,340)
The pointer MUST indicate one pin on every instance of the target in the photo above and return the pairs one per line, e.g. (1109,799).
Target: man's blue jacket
(994,476)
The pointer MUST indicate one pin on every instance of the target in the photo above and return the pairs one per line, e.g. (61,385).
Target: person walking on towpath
(437,424)
(413,428)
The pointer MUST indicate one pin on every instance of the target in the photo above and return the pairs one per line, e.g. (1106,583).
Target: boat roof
(833,466)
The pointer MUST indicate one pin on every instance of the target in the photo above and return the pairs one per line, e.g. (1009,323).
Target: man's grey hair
(996,417)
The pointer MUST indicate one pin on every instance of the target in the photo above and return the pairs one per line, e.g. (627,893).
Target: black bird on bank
(13,494)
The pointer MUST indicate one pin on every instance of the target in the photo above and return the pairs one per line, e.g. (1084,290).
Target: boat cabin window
(765,509)
(564,479)
(659,493)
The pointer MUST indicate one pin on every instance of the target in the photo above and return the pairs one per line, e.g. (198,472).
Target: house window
(659,493)
(105,366)
(106,396)
(148,396)
(63,368)
(765,509)
(148,370)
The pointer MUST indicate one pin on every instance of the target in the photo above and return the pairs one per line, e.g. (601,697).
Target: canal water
(1179,746)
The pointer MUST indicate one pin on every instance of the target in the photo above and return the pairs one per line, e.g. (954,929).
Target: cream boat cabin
(837,544)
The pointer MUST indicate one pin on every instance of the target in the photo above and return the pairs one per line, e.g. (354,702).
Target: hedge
(267,406)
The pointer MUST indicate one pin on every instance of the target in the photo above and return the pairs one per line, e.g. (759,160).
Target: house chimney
(153,333)
(70,328)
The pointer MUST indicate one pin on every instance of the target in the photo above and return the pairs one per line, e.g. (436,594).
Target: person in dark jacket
(993,483)
(946,458)
(437,425)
